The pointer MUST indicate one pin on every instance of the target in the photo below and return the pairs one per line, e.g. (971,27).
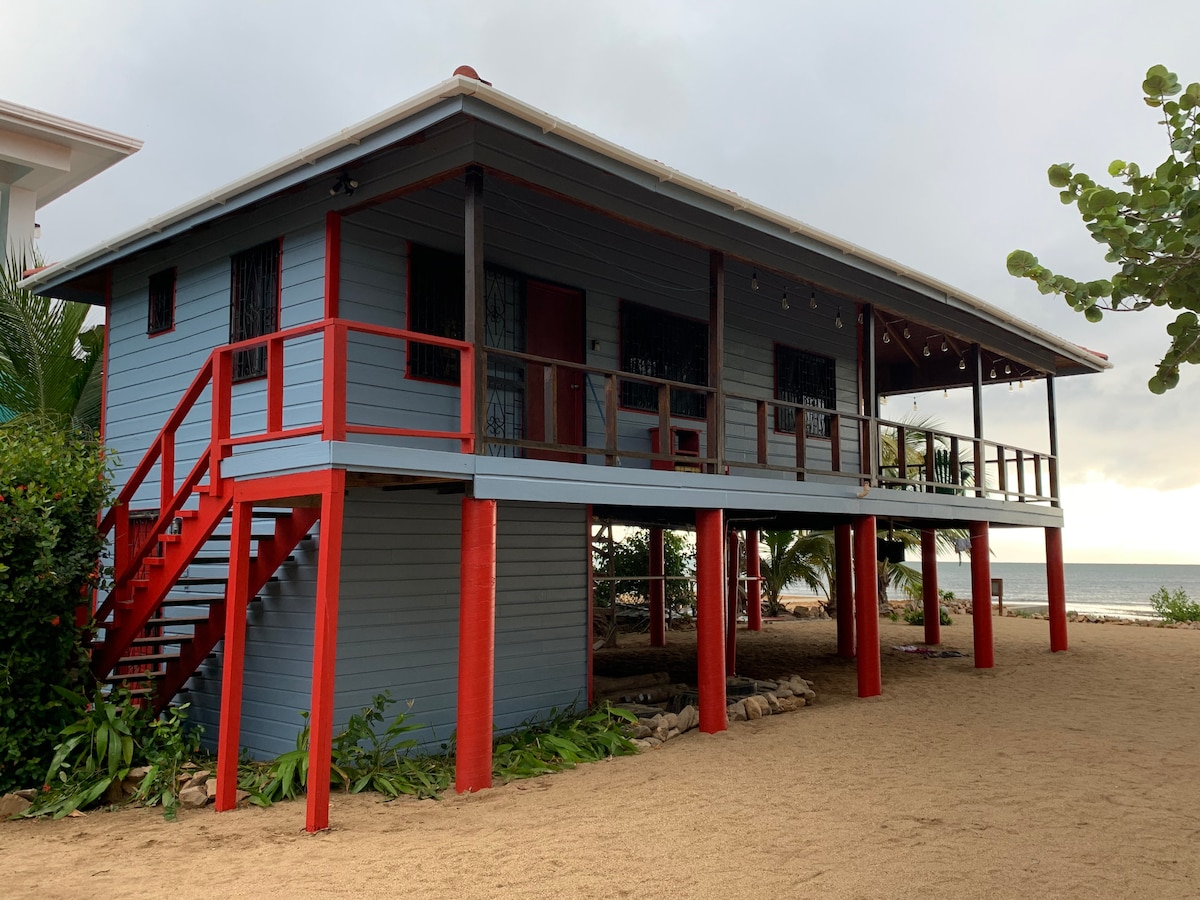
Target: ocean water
(1103,589)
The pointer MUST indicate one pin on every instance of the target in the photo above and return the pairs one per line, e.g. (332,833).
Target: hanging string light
(1021,385)
(887,338)
(784,302)
(812,299)
(945,346)
(837,322)
(754,281)
(945,393)
(907,333)
(962,364)
(1007,369)
(914,404)
(1010,387)
(925,349)
(992,374)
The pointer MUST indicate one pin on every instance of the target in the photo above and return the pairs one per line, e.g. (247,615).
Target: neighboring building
(41,158)
(455,335)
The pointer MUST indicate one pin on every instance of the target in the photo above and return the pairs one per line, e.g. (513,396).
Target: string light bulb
(992,374)
(1007,369)
(914,404)
(812,299)
(962,364)
(1010,387)
(1021,384)
(945,346)
(925,349)
(837,322)
(907,333)
(754,281)
(887,338)
(784,302)
(945,393)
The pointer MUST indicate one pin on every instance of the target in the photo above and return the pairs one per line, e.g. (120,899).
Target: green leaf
(1059,175)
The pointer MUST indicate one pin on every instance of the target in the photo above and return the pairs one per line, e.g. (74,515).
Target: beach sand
(1066,775)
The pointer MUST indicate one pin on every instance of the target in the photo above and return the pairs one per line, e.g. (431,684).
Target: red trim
(174,270)
(930,602)
(1056,590)
(866,607)
(981,597)
(476,646)
(701,388)
(591,610)
(333,386)
(710,618)
(329,566)
(333,264)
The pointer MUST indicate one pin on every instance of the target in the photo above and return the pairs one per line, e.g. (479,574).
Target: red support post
(222,399)
(731,603)
(710,621)
(476,645)
(1056,588)
(866,606)
(274,385)
(233,655)
(981,596)
(333,383)
(658,589)
(329,571)
(930,602)
(753,585)
(843,545)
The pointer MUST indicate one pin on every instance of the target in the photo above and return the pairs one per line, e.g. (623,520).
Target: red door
(555,331)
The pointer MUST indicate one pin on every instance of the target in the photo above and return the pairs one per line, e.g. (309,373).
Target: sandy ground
(1072,775)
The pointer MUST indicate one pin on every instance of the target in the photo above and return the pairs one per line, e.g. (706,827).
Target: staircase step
(268,513)
(171,621)
(212,560)
(148,658)
(135,676)
(254,536)
(154,641)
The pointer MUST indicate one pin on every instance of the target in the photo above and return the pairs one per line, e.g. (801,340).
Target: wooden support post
(658,589)
(710,619)
(716,361)
(731,602)
(1056,589)
(474,315)
(981,596)
(866,607)
(476,645)
(930,602)
(843,543)
(1052,412)
(753,585)
(329,573)
(977,417)
(233,655)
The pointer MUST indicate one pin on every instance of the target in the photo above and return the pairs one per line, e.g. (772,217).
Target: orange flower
(55,621)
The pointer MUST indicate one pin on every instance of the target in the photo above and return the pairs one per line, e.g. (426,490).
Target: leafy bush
(916,616)
(112,737)
(53,482)
(1174,607)
(561,741)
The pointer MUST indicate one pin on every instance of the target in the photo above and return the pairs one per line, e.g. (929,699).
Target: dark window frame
(425,362)
(160,303)
(264,264)
(670,364)
(817,425)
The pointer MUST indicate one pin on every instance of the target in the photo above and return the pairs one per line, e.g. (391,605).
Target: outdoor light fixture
(945,346)
(907,333)
(925,349)
(837,322)
(344,185)
(1021,384)
(887,338)
(992,374)
(1007,369)
(754,281)
(962,364)
(945,392)
(883,400)
(784,302)
(812,300)
(1010,387)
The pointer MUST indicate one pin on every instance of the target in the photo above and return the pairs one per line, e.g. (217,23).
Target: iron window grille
(435,306)
(663,345)
(160,315)
(254,306)
(806,379)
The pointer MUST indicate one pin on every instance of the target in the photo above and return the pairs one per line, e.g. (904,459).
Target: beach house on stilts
(367,401)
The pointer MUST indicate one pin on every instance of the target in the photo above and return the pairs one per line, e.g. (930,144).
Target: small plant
(946,596)
(916,616)
(1174,607)
(563,740)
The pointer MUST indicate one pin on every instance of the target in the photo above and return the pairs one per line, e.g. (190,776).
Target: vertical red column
(866,606)
(843,549)
(237,598)
(753,587)
(981,596)
(731,602)
(658,589)
(476,645)
(930,604)
(710,619)
(1056,588)
(329,574)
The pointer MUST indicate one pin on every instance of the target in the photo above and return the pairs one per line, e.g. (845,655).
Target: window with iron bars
(160,315)
(806,379)
(663,345)
(253,306)
(435,306)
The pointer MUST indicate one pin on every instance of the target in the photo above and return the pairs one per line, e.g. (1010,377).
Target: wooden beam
(474,314)
(716,360)
(898,339)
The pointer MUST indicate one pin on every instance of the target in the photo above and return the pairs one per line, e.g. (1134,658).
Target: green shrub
(1174,607)
(916,616)
(53,482)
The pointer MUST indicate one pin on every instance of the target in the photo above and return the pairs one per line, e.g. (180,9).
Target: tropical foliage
(1151,226)
(631,565)
(48,362)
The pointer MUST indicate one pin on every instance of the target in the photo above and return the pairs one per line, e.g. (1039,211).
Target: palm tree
(48,363)
(793,556)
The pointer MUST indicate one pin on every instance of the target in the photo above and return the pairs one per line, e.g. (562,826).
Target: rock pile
(765,698)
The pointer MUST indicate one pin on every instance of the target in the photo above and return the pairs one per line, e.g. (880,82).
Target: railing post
(466,398)
(166,470)
(122,551)
(1001,472)
(1020,460)
(1053,464)
(665,444)
(1037,475)
(835,442)
(274,385)
(550,403)
(610,420)
(222,400)
(801,444)
(333,389)
(980,474)
(902,455)
(930,463)
(761,439)
(955,462)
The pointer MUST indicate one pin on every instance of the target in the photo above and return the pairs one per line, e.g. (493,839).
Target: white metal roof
(460,85)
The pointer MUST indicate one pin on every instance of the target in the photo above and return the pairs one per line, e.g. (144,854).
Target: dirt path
(1071,775)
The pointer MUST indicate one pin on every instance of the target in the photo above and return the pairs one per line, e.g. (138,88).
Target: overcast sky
(920,130)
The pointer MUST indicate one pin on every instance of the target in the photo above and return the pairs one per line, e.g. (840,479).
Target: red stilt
(329,568)
(658,589)
(1056,589)
(930,603)
(753,586)
(731,603)
(866,606)
(710,619)
(476,645)
(981,596)
(233,656)
(843,545)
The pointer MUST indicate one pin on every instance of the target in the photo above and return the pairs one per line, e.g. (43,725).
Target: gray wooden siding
(398,622)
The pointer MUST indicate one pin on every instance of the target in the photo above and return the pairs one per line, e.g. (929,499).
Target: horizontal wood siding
(398,627)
